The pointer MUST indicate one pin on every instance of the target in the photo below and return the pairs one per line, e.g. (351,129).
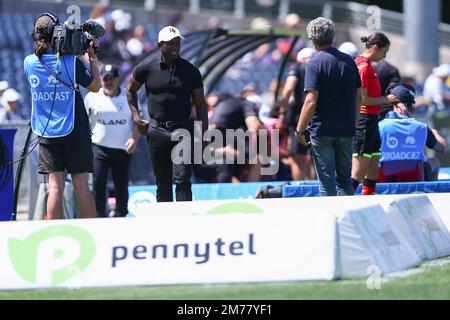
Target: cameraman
(59,118)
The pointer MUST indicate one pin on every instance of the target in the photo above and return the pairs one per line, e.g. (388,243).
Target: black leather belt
(172,123)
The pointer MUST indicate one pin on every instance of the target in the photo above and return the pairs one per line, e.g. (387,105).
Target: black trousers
(119,162)
(166,172)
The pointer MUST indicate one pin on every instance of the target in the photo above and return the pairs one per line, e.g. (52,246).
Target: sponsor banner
(422,226)
(382,245)
(444,174)
(233,242)
(142,197)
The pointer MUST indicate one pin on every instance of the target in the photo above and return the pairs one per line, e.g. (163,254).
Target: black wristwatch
(300,133)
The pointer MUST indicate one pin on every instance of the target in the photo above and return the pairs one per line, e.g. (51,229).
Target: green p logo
(235,207)
(52,254)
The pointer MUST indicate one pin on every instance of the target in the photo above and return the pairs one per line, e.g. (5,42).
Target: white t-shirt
(110,118)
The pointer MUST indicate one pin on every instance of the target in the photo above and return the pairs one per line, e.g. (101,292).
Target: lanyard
(56,77)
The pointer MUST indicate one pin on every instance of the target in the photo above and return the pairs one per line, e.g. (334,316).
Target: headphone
(408,87)
(54,21)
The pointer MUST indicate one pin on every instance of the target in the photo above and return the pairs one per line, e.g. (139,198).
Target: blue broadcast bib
(402,138)
(46,91)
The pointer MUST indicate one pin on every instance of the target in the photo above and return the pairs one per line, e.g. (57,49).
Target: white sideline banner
(422,226)
(378,242)
(312,205)
(169,249)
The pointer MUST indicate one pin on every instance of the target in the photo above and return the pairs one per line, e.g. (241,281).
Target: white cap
(292,20)
(260,23)
(168,33)
(349,48)
(11,95)
(4,85)
(122,19)
(305,53)
(442,71)
(135,47)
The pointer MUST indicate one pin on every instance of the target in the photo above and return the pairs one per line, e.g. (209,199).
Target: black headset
(394,85)
(407,86)
(54,21)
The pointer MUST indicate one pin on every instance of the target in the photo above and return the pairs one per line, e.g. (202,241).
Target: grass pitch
(429,281)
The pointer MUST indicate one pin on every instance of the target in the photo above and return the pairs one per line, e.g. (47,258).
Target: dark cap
(109,70)
(405,94)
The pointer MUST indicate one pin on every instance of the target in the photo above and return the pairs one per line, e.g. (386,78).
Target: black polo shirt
(168,90)
(231,112)
(387,74)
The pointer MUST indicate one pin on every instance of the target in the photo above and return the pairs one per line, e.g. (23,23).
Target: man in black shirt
(233,113)
(387,73)
(290,109)
(170,82)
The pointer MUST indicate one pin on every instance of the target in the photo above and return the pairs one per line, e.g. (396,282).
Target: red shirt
(369,81)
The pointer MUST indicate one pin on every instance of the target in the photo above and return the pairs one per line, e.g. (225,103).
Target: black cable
(19,174)
(39,137)
(72,83)
(5,166)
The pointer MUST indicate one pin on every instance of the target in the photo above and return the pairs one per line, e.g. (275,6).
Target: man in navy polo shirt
(403,140)
(333,98)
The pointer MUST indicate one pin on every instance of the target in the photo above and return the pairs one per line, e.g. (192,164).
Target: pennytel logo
(51,255)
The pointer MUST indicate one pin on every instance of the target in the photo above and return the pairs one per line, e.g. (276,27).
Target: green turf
(432,283)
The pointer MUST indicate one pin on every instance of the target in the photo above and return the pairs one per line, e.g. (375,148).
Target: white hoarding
(385,246)
(422,226)
(219,247)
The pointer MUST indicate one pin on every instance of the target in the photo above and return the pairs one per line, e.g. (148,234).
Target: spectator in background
(292,21)
(211,101)
(290,104)
(114,139)
(349,48)
(366,143)
(233,113)
(114,42)
(137,44)
(9,110)
(3,86)
(333,94)
(403,135)
(387,74)
(98,14)
(436,89)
